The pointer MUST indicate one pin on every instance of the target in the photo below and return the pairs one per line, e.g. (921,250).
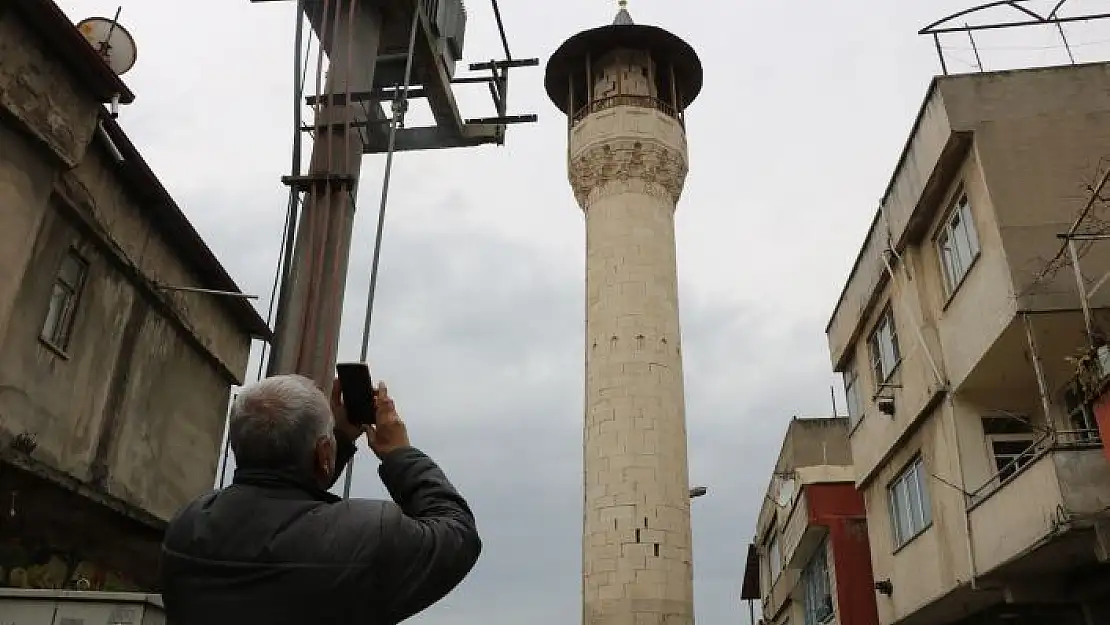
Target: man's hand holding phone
(388,433)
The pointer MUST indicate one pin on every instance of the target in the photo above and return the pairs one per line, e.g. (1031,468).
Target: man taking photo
(276,548)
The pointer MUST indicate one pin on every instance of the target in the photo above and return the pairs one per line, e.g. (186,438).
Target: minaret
(625,88)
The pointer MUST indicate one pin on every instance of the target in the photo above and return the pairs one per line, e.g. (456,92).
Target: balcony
(801,535)
(640,101)
(1031,517)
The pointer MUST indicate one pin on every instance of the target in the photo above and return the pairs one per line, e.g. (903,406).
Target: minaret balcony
(640,101)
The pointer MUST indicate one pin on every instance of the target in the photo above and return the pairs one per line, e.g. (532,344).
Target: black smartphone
(357,392)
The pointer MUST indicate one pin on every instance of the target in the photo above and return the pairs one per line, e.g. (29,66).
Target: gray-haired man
(276,548)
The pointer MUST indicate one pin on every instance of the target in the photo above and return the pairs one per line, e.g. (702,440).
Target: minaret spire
(624,18)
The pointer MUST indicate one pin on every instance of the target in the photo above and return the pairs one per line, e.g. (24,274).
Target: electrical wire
(1057,262)
(1057,46)
(281,271)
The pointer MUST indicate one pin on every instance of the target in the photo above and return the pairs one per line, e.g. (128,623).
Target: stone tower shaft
(624,88)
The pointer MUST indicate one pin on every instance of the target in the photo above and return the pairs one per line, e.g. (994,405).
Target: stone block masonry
(627,168)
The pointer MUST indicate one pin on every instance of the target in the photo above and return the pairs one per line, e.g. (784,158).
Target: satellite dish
(112,41)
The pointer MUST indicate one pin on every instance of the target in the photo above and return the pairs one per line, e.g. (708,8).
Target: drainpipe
(111,145)
(916,327)
(971,564)
(1038,369)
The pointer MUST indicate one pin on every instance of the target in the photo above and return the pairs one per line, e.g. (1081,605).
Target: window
(909,503)
(818,596)
(1010,442)
(58,325)
(883,344)
(774,556)
(851,394)
(958,243)
(1081,416)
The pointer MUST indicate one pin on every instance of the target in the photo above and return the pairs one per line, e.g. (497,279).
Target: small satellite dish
(111,41)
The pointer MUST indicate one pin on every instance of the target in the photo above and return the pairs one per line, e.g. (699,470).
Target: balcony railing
(1057,440)
(641,101)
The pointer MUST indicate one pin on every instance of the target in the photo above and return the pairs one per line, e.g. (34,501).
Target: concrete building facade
(810,561)
(983,476)
(113,388)
(624,89)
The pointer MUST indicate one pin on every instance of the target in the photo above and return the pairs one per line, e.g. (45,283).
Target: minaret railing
(641,101)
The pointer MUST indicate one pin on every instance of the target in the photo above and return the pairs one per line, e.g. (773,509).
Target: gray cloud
(479,323)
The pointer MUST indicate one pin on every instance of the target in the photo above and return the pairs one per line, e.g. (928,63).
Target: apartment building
(114,382)
(809,562)
(981,467)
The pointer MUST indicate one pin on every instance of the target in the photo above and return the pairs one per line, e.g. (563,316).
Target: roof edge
(886,194)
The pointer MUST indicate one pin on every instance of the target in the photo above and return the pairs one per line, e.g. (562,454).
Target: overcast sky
(479,320)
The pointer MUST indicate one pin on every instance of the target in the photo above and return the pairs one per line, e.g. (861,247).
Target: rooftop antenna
(113,43)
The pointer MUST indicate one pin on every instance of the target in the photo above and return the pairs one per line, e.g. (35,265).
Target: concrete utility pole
(376,50)
(380,53)
(624,88)
(308,317)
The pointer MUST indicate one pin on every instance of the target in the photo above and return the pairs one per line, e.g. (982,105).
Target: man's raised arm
(433,542)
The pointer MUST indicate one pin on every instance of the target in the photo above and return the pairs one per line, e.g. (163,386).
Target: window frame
(851,379)
(812,611)
(875,351)
(57,327)
(1014,462)
(774,554)
(947,254)
(916,469)
(1009,430)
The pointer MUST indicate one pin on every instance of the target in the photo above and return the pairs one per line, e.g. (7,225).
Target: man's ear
(324,462)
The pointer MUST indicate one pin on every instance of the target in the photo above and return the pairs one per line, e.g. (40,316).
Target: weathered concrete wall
(813,450)
(1042,137)
(935,561)
(135,403)
(117,217)
(1016,516)
(1084,481)
(38,90)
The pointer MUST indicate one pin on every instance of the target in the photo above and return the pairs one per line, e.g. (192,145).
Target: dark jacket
(273,550)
